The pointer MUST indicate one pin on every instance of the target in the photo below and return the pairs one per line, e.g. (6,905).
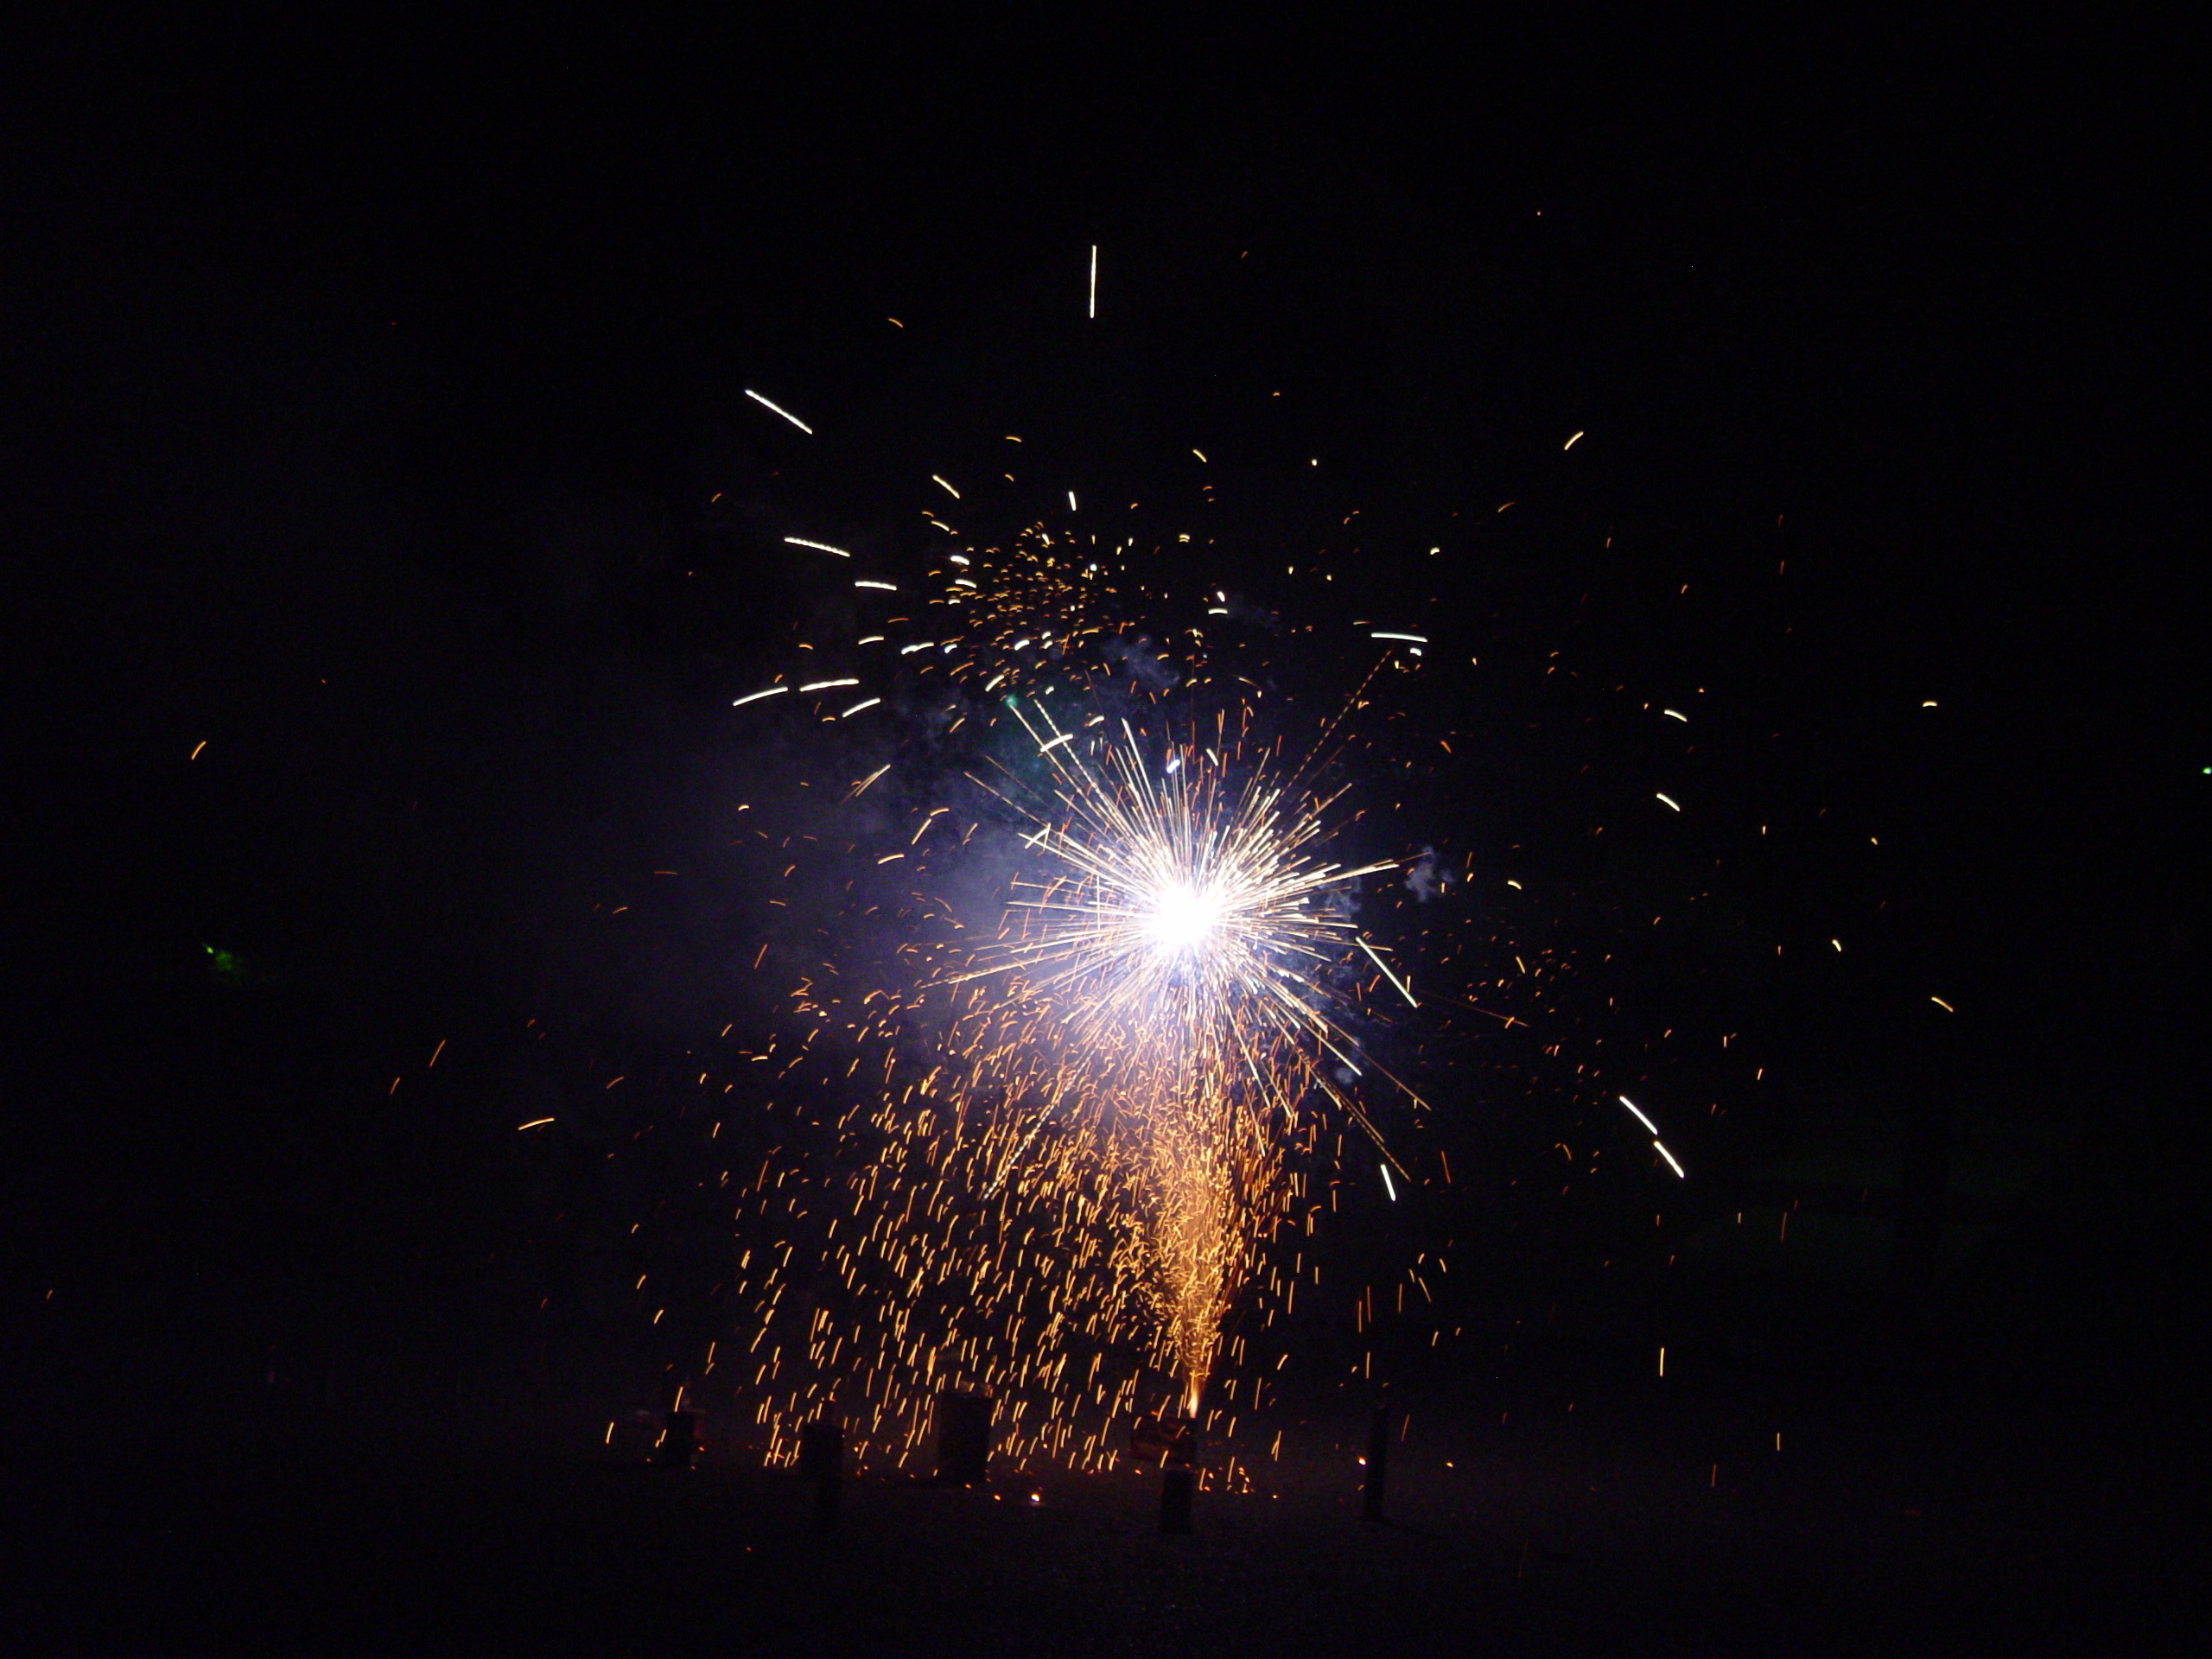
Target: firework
(1160,984)
(1087,990)
(1092,1078)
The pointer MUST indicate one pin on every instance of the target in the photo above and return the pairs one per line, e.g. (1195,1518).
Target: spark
(1671,802)
(1571,441)
(1388,1185)
(1094,279)
(1415,639)
(819,547)
(1669,1157)
(534,1123)
(946,487)
(755,696)
(1402,989)
(785,413)
(888,586)
(827,685)
(867,703)
(1640,1117)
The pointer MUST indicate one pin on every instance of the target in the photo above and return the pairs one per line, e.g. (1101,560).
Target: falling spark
(1670,801)
(785,413)
(819,547)
(1401,984)
(755,696)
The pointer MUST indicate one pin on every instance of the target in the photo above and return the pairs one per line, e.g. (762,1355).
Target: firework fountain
(1093,1078)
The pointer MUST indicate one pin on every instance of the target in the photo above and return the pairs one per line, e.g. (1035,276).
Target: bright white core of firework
(1180,918)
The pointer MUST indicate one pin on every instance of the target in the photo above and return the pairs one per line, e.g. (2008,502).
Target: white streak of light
(1094,279)
(1640,1117)
(1388,1185)
(785,413)
(1671,1164)
(1670,801)
(1671,714)
(825,685)
(1571,441)
(819,547)
(888,586)
(534,1123)
(857,707)
(908,651)
(772,691)
(946,487)
(1411,639)
(1386,974)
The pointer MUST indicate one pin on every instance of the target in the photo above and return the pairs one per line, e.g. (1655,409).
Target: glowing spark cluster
(1159,988)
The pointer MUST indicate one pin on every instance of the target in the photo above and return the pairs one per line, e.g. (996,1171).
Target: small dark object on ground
(822,1460)
(1176,1446)
(679,1442)
(963,1438)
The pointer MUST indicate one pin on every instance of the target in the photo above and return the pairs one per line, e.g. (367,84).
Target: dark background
(366,389)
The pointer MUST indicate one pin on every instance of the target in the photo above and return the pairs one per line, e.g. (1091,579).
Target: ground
(1605,1530)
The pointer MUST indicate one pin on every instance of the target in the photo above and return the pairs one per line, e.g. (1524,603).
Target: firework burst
(1162,983)
(1082,1092)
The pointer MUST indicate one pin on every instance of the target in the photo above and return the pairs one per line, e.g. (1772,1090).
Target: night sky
(375,417)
